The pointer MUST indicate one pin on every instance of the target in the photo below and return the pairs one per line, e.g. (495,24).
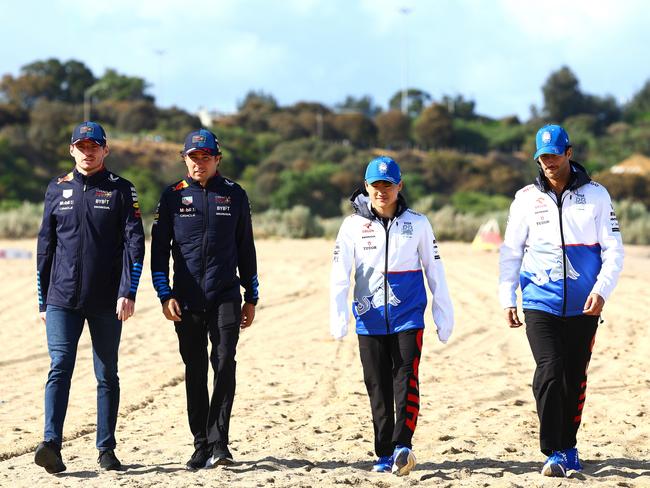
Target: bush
(634,221)
(295,223)
(21,222)
(450,225)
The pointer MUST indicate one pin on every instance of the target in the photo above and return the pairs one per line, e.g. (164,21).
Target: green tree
(364,105)
(416,100)
(356,128)
(433,128)
(638,108)
(393,129)
(114,86)
(562,95)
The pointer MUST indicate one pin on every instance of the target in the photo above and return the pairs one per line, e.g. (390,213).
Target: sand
(301,416)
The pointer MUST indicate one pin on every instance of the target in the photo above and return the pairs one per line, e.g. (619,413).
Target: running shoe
(48,456)
(199,459)
(572,459)
(383,465)
(556,465)
(220,457)
(403,461)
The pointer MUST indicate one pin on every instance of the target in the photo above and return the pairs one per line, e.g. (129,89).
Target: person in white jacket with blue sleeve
(563,247)
(389,246)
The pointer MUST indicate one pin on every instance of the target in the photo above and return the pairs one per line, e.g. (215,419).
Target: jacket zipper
(204,245)
(560,201)
(80,261)
(386,229)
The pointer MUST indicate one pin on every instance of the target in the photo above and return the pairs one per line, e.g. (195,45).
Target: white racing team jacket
(389,293)
(560,251)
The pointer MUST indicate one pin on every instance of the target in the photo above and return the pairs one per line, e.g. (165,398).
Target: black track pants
(390,372)
(562,348)
(210,419)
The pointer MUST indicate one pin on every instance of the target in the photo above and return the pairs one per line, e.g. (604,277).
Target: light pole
(404,105)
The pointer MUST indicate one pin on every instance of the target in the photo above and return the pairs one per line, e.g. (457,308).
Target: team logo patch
(546,137)
(198,138)
(407,229)
(86,130)
(67,193)
(383,168)
(580,199)
(187,200)
(222,200)
(103,194)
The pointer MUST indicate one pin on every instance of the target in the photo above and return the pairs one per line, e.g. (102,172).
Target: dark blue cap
(201,140)
(551,139)
(90,131)
(383,168)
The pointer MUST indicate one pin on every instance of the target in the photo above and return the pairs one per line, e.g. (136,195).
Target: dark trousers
(209,418)
(63,327)
(562,348)
(390,372)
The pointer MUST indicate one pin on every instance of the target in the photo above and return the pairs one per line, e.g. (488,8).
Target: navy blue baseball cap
(383,168)
(551,139)
(201,140)
(89,131)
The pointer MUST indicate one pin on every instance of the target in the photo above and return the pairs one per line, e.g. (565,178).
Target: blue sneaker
(383,465)
(572,459)
(556,465)
(403,461)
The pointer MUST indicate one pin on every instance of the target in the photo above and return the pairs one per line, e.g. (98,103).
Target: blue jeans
(64,327)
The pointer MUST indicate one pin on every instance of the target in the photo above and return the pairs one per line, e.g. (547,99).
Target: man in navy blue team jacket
(204,220)
(89,262)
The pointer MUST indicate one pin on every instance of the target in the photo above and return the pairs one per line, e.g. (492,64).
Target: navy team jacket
(210,235)
(91,242)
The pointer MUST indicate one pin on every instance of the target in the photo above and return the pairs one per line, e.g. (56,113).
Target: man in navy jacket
(204,221)
(89,261)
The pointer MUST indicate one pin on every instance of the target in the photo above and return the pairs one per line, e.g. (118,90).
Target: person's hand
(247,315)
(172,310)
(125,308)
(512,318)
(42,315)
(594,304)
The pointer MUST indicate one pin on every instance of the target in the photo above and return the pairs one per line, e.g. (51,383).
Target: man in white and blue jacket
(89,262)
(563,247)
(389,246)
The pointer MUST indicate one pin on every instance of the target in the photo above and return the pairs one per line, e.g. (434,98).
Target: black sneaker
(48,455)
(220,457)
(199,459)
(108,461)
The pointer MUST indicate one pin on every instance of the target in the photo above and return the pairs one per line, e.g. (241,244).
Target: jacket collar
(213,182)
(92,180)
(579,177)
(361,204)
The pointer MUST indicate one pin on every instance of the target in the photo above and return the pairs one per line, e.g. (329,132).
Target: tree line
(308,153)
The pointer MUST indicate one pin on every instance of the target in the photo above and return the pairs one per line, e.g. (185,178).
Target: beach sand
(302,417)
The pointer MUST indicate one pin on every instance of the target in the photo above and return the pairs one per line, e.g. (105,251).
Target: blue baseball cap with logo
(551,139)
(383,168)
(201,140)
(89,131)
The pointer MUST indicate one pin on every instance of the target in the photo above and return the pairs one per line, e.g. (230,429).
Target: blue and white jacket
(560,251)
(389,293)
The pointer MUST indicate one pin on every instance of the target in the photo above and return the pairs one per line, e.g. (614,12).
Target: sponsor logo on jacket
(376,299)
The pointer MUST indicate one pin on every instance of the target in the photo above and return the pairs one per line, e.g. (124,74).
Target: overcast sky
(210,53)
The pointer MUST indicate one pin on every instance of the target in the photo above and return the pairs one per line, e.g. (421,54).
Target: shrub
(297,223)
(21,222)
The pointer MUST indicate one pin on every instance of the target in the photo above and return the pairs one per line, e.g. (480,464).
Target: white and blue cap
(551,139)
(383,168)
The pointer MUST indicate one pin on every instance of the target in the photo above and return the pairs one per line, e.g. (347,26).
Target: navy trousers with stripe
(390,372)
(562,349)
